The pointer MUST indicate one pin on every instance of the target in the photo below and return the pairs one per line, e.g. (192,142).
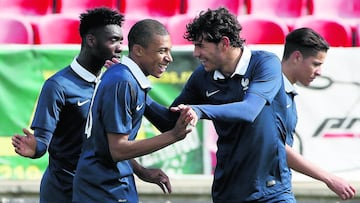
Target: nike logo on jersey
(209,94)
(83,102)
(138,107)
(288,106)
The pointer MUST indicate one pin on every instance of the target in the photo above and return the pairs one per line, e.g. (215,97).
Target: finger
(17,149)
(115,60)
(16,140)
(188,130)
(193,122)
(346,194)
(174,109)
(27,132)
(351,192)
(195,118)
(184,115)
(14,144)
(161,185)
(108,63)
(167,185)
(182,107)
(165,181)
(188,119)
(353,189)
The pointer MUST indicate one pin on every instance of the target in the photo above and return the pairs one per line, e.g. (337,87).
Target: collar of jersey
(241,67)
(289,88)
(82,72)
(136,71)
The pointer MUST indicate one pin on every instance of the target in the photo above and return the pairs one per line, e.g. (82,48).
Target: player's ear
(225,41)
(297,56)
(138,50)
(90,40)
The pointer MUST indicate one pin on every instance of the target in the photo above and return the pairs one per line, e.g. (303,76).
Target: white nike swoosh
(288,106)
(68,172)
(138,107)
(82,103)
(209,94)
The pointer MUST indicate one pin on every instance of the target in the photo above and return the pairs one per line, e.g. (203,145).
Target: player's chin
(157,75)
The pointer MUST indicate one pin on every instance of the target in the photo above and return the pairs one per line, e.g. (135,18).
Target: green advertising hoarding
(23,70)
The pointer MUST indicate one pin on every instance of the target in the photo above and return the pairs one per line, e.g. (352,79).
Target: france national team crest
(245,83)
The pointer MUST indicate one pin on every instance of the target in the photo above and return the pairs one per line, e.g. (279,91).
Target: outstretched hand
(24,145)
(182,127)
(183,107)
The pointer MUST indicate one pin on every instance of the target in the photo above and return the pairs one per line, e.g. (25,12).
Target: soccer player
(242,92)
(64,103)
(304,53)
(106,165)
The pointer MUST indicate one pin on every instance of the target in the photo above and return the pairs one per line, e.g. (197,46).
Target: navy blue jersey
(251,157)
(291,111)
(61,111)
(118,107)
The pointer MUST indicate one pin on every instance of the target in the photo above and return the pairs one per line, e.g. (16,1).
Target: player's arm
(160,116)
(250,108)
(45,119)
(263,87)
(47,114)
(123,149)
(339,186)
(152,175)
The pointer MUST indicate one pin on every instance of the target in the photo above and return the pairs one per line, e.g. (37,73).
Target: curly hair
(98,17)
(305,40)
(212,25)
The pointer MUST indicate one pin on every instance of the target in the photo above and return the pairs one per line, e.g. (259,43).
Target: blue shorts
(124,191)
(53,190)
(285,197)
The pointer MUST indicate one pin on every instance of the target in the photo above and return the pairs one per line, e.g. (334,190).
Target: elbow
(117,156)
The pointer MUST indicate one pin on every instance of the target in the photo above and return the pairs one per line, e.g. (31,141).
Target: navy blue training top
(118,107)
(291,111)
(61,112)
(251,157)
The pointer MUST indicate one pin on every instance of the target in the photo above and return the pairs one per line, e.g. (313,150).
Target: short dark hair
(305,40)
(98,17)
(143,31)
(212,25)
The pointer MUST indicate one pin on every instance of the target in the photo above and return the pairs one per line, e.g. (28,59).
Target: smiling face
(309,68)
(156,56)
(208,54)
